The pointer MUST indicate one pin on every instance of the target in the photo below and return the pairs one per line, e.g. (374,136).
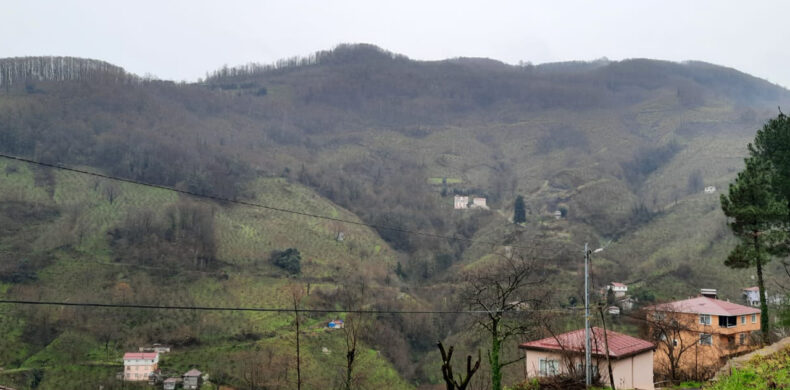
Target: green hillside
(622,149)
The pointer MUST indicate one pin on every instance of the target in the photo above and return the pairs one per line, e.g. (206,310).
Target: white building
(479,203)
(461,202)
(710,189)
(619,289)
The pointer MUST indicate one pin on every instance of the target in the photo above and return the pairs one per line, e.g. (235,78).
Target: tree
(753,210)
(674,334)
(296,292)
(520,211)
(353,296)
(289,260)
(447,369)
(505,292)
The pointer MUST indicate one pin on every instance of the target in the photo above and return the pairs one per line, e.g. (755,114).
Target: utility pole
(587,357)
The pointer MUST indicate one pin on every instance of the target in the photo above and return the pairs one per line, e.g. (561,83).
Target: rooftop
(140,356)
(616,284)
(705,305)
(756,289)
(620,345)
(193,372)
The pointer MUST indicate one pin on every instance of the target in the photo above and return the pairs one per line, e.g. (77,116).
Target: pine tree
(753,209)
(520,211)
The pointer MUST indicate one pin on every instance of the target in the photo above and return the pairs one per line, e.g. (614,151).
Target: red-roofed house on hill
(138,366)
(631,358)
(695,336)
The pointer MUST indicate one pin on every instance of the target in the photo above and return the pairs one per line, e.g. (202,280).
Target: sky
(182,40)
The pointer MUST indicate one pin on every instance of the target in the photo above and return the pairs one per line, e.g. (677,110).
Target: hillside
(355,133)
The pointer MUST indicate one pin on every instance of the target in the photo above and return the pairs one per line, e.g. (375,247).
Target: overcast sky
(181,40)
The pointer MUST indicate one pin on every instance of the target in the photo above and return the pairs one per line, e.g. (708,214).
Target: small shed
(613,310)
(192,379)
(336,324)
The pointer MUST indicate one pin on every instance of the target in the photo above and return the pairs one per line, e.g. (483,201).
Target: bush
(289,260)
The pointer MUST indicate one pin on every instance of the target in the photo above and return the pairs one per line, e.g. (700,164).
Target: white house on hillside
(619,289)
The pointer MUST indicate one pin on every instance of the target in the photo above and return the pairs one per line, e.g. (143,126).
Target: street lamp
(587,354)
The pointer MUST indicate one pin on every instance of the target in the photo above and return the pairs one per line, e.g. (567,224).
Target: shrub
(289,260)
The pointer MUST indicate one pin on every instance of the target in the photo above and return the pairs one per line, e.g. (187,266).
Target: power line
(252,204)
(262,309)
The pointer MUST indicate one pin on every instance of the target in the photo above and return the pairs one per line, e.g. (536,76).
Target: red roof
(751,289)
(620,345)
(140,356)
(616,284)
(193,372)
(705,305)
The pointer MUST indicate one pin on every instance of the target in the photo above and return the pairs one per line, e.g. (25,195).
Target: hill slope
(357,133)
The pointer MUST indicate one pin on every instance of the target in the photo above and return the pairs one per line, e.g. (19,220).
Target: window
(548,367)
(742,337)
(674,342)
(728,321)
(743,320)
(754,318)
(705,339)
(704,319)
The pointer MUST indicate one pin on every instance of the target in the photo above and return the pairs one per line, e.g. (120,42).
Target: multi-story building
(138,366)
(695,336)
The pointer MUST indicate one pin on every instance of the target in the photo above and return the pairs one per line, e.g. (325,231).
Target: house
(619,289)
(479,203)
(613,310)
(631,358)
(709,189)
(711,330)
(171,383)
(336,324)
(626,303)
(461,202)
(558,214)
(138,366)
(192,379)
(752,296)
(159,348)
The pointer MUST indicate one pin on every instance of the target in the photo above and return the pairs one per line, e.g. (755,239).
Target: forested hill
(622,149)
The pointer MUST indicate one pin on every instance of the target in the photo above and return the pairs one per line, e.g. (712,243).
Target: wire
(252,204)
(262,309)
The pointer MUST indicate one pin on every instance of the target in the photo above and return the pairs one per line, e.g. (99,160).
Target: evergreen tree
(753,209)
(520,211)
(289,260)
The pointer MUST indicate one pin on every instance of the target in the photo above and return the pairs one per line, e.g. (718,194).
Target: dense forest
(621,149)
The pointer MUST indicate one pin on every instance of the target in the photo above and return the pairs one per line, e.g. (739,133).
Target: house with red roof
(631,357)
(698,335)
(138,366)
(619,289)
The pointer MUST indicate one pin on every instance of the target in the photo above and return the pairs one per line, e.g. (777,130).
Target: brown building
(695,336)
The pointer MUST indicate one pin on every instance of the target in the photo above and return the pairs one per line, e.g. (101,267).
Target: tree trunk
(298,353)
(349,367)
(493,357)
(764,324)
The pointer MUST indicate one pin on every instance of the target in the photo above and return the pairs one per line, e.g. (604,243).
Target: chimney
(709,292)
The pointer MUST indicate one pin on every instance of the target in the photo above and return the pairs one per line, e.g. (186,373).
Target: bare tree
(505,293)
(353,297)
(669,329)
(296,292)
(447,369)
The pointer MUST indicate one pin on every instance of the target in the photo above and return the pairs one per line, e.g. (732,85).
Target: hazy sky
(181,40)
